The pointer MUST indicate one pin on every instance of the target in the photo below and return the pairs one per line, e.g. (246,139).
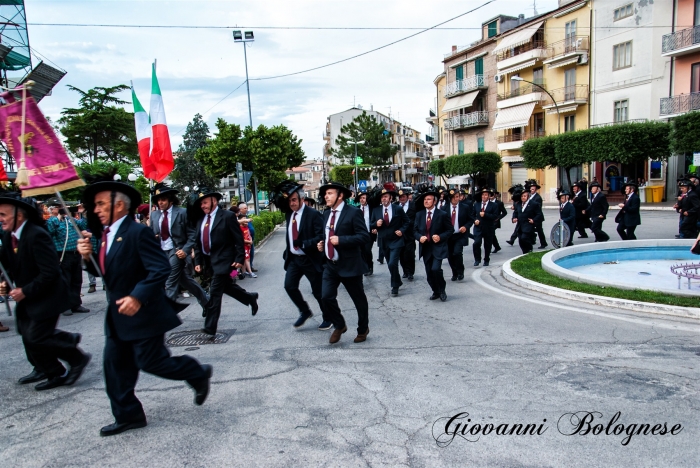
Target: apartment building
(310,174)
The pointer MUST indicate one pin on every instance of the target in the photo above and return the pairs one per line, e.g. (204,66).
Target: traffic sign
(358,160)
(362,185)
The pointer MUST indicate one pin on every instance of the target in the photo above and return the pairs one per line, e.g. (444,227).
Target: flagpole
(66,211)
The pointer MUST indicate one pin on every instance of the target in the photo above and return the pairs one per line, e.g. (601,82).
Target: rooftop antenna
(534,6)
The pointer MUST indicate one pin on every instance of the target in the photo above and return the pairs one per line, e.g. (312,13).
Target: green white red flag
(161,151)
(143,136)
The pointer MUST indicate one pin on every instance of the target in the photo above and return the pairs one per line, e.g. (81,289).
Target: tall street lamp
(517,78)
(248,37)
(356,172)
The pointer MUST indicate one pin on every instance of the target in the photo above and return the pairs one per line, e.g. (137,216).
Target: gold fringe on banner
(53,188)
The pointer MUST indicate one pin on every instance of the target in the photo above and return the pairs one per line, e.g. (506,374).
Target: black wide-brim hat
(347,193)
(279,196)
(531,183)
(418,199)
(685,183)
(486,190)
(107,186)
(384,191)
(563,192)
(163,190)
(630,184)
(594,184)
(27,204)
(357,197)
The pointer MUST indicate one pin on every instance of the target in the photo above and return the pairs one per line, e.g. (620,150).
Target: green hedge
(437,167)
(343,174)
(458,164)
(470,163)
(265,223)
(685,133)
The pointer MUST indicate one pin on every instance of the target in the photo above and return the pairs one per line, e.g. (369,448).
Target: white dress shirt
(167,244)
(404,206)
(365,211)
(211,224)
(299,214)
(113,232)
(328,228)
(19,230)
(456,209)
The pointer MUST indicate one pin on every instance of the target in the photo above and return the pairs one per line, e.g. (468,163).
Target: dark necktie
(363,210)
(103,250)
(483,207)
(205,236)
(164,228)
(386,216)
(15,243)
(454,215)
(428,222)
(331,233)
(295,231)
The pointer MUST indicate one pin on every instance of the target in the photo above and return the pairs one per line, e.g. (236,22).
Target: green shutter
(460,146)
(493,28)
(460,72)
(479,66)
(480,144)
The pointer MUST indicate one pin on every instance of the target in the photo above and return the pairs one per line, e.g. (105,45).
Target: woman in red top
(248,240)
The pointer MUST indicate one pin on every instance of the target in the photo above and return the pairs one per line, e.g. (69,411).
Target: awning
(512,117)
(564,62)
(562,110)
(519,38)
(460,102)
(511,159)
(527,64)
(458,180)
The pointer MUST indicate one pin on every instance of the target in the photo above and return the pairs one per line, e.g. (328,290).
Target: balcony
(468,84)
(570,50)
(326,134)
(520,57)
(676,105)
(515,140)
(567,98)
(620,122)
(410,155)
(521,95)
(681,42)
(473,119)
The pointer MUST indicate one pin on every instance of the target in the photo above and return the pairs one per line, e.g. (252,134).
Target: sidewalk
(663,206)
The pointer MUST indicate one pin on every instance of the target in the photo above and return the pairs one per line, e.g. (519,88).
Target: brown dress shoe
(335,336)
(362,337)
(3,328)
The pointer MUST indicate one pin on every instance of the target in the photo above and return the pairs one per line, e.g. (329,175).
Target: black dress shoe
(542,246)
(443,296)
(76,371)
(583,237)
(53,382)
(410,277)
(118,428)
(510,243)
(497,250)
(454,278)
(302,319)
(201,389)
(325,326)
(435,296)
(75,338)
(81,310)
(34,376)
(381,262)
(460,277)
(208,332)
(404,275)
(254,303)
(476,263)
(394,292)
(486,263)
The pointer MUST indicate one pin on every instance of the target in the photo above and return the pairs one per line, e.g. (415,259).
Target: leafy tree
(344,175)
(376,150)
(481,165)
(98,129)
(437,167)
(685,133)
(538,153)
(268,152)
(458,164)
(189,172)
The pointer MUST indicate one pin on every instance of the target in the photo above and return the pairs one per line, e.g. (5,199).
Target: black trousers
(495,244)
(408,257)
(72,270)
(433,270)
(540,233)
(45,345)
(367,256)
(124,359)
(581,225)
(626,232)
(455,259)
(526,241)
(484,236)
(220,285)
(514,235)
(299,266)
(180,277)
(597,229)
(354,287)
(392,260)
(380,257)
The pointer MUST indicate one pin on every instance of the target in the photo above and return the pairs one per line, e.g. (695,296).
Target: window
(622,55)
(460,146)
(493,28)
(480,145)
(459,71)
(538,76)
(696,16)
(621,110)
(570,35)
(538,122)
(622,12)
(569,125)
(695,78)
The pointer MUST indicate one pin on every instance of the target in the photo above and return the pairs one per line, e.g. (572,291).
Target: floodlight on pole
(356,173)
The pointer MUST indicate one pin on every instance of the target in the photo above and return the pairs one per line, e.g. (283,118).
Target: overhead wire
(220,101)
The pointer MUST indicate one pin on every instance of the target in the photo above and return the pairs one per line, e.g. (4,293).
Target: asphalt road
(285,397)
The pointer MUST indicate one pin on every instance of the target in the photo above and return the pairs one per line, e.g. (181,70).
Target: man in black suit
(567,214)
(432,229)
(176,236)
(581,204)
(628,217)
(525,216)
(218,250)
(408,253)
(485,215)
(135,269)
(689,209)
(597,211)
(533,186)
(502,213)
(390,223)
(301,257)
(461,219)
(345,234)
(362,200)
(40,292)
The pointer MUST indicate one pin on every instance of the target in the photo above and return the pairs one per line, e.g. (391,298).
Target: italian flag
(143,135)
(161,152)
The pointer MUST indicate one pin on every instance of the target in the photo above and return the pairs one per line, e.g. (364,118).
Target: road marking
(476,276)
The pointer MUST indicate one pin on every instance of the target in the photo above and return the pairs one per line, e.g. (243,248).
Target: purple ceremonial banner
(45,167)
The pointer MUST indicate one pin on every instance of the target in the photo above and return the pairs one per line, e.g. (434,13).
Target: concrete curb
(617,208)
(647,307)
(267,237)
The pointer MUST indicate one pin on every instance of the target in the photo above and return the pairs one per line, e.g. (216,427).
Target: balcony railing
(521,136)
(533,44)
(680,39)
(472,119)
(573,93)
(519,91)
(620,122)
(567,46)
(465,85)
(680,104)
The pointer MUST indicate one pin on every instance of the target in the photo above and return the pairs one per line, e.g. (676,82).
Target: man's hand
(482,214)
(380,222)
(319,246)
(685,213)
(530,221)
(476,223)
(198,268)
(85,248)
(334,240)
(423,239)
(398,233)
(515,220)
(237,265)
(128,305)
(462,229)
(621,205)
(17,294)
(180,254)
(583,211)
(374,231)
(601,216)
(436,238)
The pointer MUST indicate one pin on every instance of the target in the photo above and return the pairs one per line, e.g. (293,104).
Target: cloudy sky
(197,68)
